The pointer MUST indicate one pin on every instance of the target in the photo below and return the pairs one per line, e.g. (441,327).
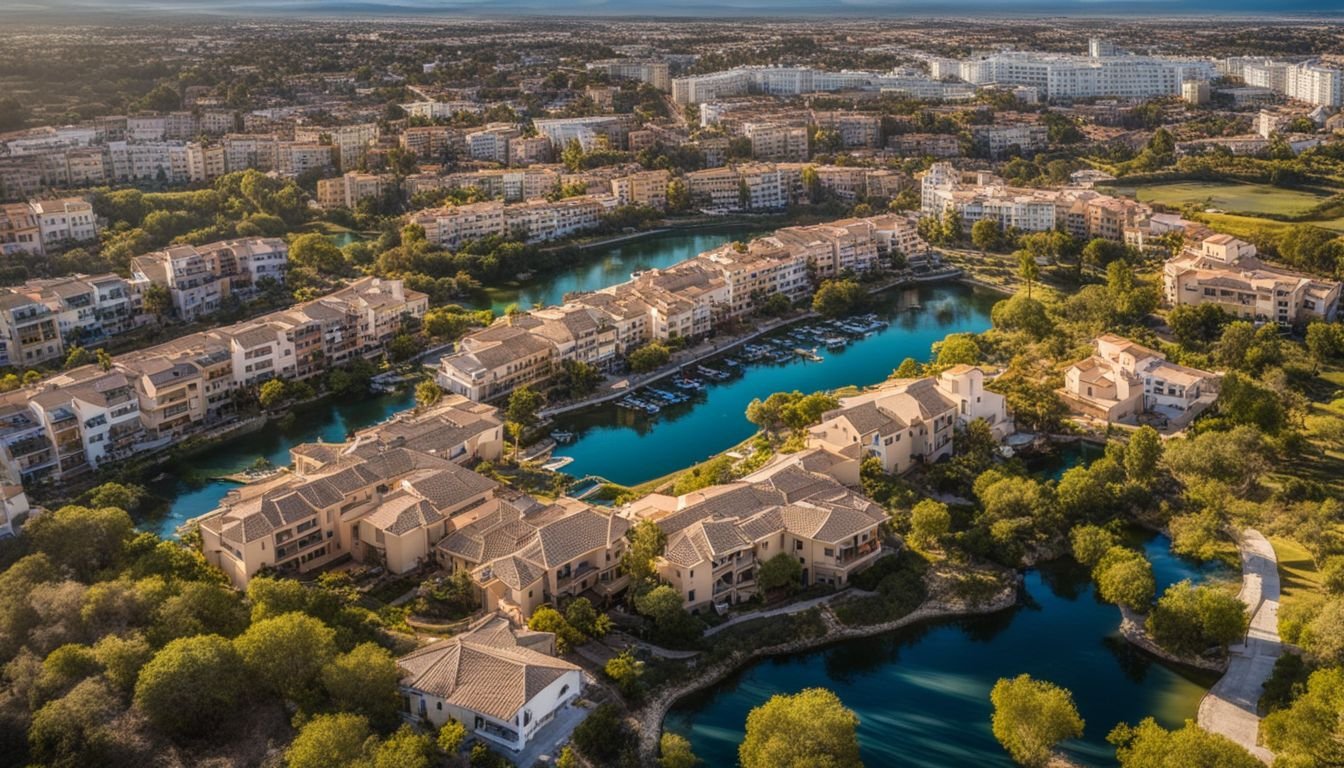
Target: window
(690,596)
(828,552)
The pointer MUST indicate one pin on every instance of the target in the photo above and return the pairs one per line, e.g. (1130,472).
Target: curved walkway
(1230,708)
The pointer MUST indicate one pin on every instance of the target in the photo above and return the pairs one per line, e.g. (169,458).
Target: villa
(503,683)
(1124,380)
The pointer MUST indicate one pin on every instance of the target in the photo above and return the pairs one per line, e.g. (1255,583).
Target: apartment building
(199,278)
(647,188)
(65,220)
(19,230)
(491,143)
(432,142)
(572,548)
(1226,271)
(40,317)
(685,300)
(374,498)
(348,143)
(655,73)
(348,190)
(1069,76)
(532,220)
(528,150)
(795,81)
(999,140)
(855,129)
(591,132)
(750,186)
(501,682)
(440,110)
(508,184)
(777,141)
(1122,381)
(1307,81)
(910,421)
(719,537)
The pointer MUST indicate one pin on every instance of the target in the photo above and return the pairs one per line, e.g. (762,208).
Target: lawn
(1233,197)
(1297,573)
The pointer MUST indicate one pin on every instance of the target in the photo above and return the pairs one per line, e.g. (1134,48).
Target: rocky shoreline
(1131,627)
(649,718)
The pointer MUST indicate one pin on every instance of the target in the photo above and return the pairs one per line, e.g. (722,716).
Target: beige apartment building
(718,537)
(1227,272)
(348,190)
(648,188)
(909,421)
(387,496)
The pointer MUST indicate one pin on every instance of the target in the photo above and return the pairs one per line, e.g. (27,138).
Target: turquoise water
(922,693)
(189,490)
(630,448)
(602,267)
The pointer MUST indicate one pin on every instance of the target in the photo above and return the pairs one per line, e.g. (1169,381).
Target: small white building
(503,683)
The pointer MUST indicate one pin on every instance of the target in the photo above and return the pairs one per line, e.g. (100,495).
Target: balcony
(852,555)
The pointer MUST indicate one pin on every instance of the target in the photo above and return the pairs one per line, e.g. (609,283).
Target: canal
(922,693)
(630,447)
(189,488)
(617,444)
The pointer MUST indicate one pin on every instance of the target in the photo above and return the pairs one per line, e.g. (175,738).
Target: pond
(922,693)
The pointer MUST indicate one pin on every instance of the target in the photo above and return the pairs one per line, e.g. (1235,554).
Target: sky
(692,8)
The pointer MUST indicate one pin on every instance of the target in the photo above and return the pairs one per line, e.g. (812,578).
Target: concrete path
(782,610)
(1230,707)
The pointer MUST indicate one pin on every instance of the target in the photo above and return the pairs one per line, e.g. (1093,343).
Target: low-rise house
(502,683)
(1124,380)
(905,422)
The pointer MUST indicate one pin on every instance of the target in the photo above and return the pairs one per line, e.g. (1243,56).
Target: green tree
(1027,269)
(316,252)
(330,741)
(286,654)
(956,349)
(1149,745)
(625,670)
(1195,325)
(520,414)
(271,393)
(987,234)
(547,619)
(930,521)
(1125,577)
(1142,454)
(190,685)
(119,495)
(1197,535)
(427,393)
(836,298)
(649,357)
(451,737)
(646,544)
(406,748)
(674,751)
(1323,635)
(79,539)
(1031,717)
(781,572)
(1090,543)
(810,729)
(122,657)
(78,729)
(1310,732)
(1189,619)
(364,681)
(157,301)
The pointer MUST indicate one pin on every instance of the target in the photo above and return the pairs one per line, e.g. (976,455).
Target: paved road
(1230,707)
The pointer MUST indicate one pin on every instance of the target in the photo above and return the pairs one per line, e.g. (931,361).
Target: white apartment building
(590,132)
(795,81)
(1066,76)
(1311,82)
(200,277)
(492,142)
(654,73)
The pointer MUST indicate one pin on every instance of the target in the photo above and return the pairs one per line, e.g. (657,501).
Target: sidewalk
(1231,707)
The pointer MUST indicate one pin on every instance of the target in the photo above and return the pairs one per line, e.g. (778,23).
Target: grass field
(1232,197)
(1297,573)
